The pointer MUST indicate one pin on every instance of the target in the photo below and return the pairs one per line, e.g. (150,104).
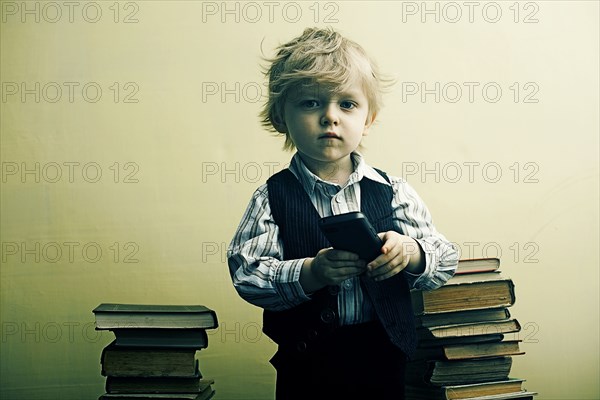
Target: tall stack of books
(153,355)
(464,331)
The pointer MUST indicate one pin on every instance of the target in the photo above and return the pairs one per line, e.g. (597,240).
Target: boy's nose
(330,115)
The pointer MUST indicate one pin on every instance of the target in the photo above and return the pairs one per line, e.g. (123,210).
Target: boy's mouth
(330,135)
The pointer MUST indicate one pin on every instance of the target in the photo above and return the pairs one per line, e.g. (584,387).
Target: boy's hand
(330,267)
(399,252)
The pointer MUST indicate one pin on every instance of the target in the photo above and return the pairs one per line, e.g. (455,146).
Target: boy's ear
(279,124)
(368,123)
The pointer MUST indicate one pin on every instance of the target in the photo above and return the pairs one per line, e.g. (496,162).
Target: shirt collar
(308,180)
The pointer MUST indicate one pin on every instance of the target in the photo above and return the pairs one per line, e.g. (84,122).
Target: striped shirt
(255,255)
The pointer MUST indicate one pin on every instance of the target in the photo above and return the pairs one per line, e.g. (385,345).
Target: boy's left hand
(398,252)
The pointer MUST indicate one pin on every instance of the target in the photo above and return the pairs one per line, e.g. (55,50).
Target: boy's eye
(310,103)
(347,104)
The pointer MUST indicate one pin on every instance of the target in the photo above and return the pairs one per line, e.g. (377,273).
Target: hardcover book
(117,316)
(466,292)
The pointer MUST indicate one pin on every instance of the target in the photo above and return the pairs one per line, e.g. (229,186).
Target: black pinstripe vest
(299,329)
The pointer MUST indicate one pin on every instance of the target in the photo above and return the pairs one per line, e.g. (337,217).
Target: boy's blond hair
(320,56)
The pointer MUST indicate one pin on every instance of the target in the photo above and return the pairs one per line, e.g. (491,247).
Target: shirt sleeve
(255,257)
(413,218)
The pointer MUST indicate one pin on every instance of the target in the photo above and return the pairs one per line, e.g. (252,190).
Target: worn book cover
(466,292)
(117,316)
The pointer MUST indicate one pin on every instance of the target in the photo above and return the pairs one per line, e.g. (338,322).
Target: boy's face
(326,126)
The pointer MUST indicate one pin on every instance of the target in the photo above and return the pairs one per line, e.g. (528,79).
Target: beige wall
(175,137)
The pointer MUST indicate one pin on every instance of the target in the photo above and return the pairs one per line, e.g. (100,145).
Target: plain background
(131,146)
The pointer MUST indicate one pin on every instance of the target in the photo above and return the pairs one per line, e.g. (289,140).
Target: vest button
(312,334)
(301,347)
(333,290)
(327,315)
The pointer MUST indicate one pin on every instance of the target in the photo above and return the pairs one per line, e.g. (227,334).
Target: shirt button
(347,284)
(339,199)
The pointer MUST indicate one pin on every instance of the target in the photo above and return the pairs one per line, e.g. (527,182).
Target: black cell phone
(352,232)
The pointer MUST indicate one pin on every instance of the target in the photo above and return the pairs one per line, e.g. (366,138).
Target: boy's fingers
(381,270)
(382,235)
(341,255)
(386,273)
(337,276)
(391,268)
(350,271)
(381,260)
(358,265)
(386,276)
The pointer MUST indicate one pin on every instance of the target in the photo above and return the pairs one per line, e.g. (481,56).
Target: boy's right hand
(330,267)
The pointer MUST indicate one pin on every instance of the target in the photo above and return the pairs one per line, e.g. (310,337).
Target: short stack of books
(463,329)
(153,355)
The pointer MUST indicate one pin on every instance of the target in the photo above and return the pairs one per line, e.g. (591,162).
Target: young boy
(344,326)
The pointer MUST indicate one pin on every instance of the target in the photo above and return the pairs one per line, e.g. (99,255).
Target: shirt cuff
(286,281)
(420,280)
